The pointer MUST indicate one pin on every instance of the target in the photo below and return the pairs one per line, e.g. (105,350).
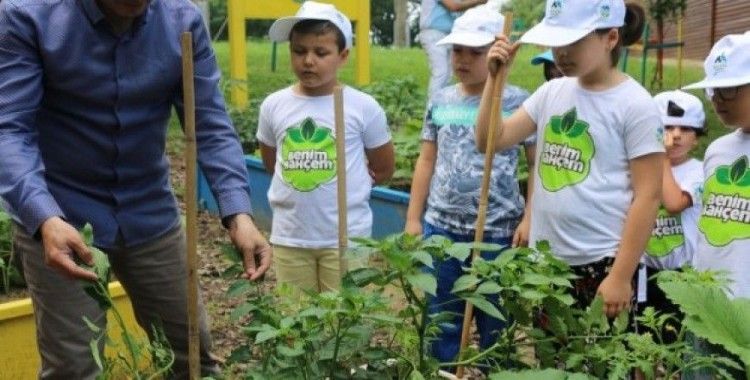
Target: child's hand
(413,227)
(617,295)
(501,54)
(521,236)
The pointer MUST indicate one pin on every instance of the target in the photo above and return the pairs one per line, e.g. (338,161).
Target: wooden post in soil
(338,108)
(498,83)
(191,202)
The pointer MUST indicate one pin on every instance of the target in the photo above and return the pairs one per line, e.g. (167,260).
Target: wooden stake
(191,203)
(498,83)
(338,107)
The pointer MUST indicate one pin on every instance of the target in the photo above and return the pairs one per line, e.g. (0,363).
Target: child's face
(586,55)
(470,64)
(733,106)
(315,61)
(684,139)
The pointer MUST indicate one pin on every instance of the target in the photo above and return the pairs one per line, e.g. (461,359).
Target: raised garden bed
(388,206)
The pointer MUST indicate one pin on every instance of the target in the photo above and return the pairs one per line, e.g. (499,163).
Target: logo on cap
(604,12)
(673,110)
(720,64)
(556,8)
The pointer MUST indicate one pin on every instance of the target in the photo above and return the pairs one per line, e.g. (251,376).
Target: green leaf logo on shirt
(308,156)
(567,152)
(666,235)
(726,204)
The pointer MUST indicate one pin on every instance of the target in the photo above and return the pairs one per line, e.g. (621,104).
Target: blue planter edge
(388,205)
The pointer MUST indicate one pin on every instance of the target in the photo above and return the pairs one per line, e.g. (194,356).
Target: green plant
(136,357)
(401,98)
(710,314)
(9,272)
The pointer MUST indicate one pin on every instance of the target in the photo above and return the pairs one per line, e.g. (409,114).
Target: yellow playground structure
(241,10)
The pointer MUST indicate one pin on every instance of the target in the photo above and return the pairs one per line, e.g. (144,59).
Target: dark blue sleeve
(22,183)
(219,152)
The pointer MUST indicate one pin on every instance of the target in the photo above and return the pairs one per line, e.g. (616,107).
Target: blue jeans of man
(445,347)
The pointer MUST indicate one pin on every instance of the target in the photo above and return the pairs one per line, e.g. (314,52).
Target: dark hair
(318,28)
(630,33)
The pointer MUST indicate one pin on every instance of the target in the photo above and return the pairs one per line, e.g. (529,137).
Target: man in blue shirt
(86,92)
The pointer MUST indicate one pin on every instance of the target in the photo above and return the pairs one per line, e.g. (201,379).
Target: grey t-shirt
(453,201)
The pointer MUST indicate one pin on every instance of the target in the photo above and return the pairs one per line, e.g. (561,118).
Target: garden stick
(338,108)
(191,202)
(498,83)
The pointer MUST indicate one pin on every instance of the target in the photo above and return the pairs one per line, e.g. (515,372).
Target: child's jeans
(446,345)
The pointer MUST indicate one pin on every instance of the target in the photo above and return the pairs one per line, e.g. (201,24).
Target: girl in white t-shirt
(599,146)
(675,233)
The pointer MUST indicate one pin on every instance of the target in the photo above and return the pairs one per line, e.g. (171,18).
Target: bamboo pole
(338,107)
(191,203)
(498,83)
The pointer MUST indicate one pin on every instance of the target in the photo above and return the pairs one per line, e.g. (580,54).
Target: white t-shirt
(674,237)
(724,224)
(582,187)
(303,189)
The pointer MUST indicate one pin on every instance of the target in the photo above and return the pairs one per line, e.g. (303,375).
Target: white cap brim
(718,83)
(681,121)
(467,39)
(553,36)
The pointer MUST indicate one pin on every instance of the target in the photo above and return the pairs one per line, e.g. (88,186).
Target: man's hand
(251,243)
(413,227)
(61,241)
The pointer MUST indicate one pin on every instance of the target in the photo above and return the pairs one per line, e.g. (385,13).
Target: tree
(400,35)
(661,11)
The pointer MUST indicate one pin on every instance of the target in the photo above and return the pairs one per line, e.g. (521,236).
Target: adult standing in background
(435,22)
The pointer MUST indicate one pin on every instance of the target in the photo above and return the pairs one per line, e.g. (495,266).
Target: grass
(395,63)
(390,63)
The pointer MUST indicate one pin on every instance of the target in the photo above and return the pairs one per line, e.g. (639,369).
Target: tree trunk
(400,35)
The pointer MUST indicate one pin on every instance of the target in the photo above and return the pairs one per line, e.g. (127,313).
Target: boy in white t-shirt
(297,143)
(673,239)
(724,224)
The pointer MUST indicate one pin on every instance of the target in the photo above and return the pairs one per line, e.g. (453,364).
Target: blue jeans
(446,345)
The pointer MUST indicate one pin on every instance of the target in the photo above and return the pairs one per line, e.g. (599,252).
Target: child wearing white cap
(724,224)
(675,233)
(725,218)
(448,175)
(600,157)
(297,143)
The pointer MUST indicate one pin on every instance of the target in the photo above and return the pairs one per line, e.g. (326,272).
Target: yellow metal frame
(241,10)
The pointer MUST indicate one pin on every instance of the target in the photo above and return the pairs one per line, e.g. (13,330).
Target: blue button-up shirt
(84,115)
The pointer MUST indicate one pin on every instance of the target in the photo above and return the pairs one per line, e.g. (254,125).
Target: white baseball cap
(311,10)
(681,108)
(567,21)
(728,63)
(477,27)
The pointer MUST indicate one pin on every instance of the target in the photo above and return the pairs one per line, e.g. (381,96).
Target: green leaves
(568,120)
(99,289)
(713,316)
(423,281)
(308,129)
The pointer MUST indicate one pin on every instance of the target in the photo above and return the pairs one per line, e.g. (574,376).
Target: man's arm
(220,155)
(22,182)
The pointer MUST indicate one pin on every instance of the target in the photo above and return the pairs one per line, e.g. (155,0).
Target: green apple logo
(567,152)
(726,204)
(308,156)
(666,235)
